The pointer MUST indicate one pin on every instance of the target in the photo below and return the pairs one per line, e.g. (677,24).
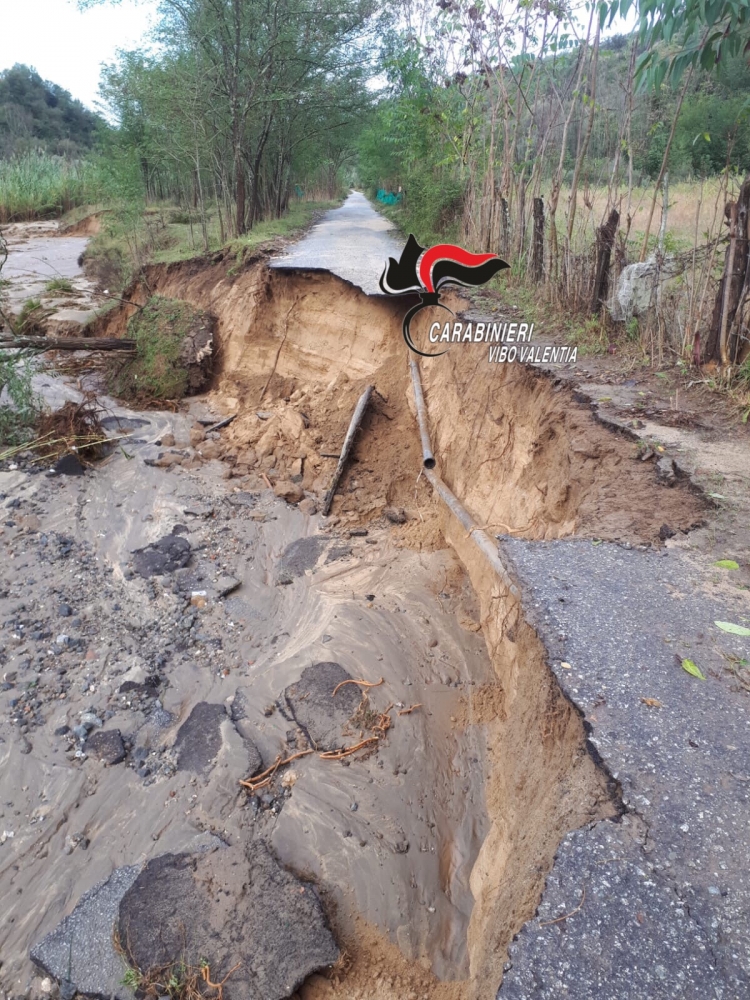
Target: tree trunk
(537,246)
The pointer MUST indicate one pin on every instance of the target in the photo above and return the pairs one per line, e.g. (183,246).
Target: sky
(67,46)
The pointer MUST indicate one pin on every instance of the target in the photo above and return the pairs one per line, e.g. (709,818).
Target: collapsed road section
(434,766)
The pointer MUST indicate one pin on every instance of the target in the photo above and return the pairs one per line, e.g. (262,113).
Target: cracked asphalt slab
(657,903)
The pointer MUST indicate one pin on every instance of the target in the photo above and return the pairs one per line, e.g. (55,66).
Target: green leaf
(727,564)
(693,669)
(732,628)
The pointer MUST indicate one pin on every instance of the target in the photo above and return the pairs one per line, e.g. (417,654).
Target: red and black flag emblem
(427,271)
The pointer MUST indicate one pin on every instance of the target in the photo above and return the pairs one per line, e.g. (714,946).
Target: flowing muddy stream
(428,851)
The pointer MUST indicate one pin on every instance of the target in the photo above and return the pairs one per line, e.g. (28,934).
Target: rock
(210,450)
(163,556)
(199,738)
(80,949)
(665,471)
(107,747)
(167,459)
(68,465)
(338,552)
(666,532)
(307,506)
(300,555)
(226,585)
(289,491)
(320,715)
(197,435)
(238,908)
(167,441)
(245,728)
(396,515)
(64,610)
(90,721)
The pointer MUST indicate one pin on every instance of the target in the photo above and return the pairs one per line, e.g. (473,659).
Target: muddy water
(36,255)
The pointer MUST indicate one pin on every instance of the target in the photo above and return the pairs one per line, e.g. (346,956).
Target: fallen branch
(497,524)
(220,424)
(367,684)
(359,412)
(70,343)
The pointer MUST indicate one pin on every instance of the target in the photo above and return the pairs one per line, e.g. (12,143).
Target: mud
(427,855)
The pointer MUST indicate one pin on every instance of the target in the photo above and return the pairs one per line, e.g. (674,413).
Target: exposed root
(348,751)
(367,684)
(410,709)
(75,427)
(264,778)
(206,974)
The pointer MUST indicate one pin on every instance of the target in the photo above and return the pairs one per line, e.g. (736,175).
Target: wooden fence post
(605,238)
(725,338)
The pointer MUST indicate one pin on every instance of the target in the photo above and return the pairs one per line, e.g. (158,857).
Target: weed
(60,285)
(28,318)
(588,336)
(19,405)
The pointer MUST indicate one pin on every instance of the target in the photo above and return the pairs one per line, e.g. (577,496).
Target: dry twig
(548,923)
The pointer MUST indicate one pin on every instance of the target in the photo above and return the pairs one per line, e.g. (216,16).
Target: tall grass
(39,186)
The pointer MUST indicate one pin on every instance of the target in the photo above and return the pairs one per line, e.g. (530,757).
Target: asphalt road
(667,887)
(353,241)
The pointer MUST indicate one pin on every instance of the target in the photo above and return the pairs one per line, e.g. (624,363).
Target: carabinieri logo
(426,271)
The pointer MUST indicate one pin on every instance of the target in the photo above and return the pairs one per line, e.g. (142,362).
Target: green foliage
(40,186)
(684,34)
(36,115)
(19,404)
(156,372)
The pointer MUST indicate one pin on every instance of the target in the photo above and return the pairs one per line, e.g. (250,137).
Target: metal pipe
(481,540)
(428,459)
(489,551)
(359,412)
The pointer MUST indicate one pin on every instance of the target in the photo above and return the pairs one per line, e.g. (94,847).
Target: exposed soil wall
(512,443)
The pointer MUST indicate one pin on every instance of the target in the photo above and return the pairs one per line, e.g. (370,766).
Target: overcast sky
(67,46)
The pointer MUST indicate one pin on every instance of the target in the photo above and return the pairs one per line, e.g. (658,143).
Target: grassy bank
(39,186)
(133,237)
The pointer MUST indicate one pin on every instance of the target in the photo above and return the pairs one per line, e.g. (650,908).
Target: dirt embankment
(294,352)
(514,444)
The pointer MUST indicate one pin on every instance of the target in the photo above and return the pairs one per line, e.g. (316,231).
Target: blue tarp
(388,197)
